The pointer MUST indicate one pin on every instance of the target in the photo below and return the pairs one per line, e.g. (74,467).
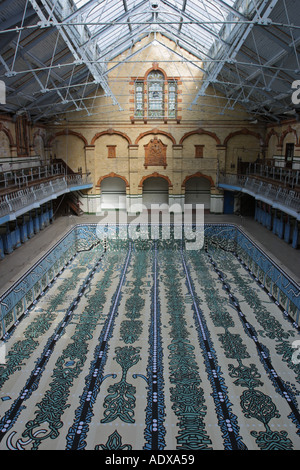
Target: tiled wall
(284,291)
(278,284)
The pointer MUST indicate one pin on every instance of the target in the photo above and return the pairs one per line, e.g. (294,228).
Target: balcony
(22,193)
(280,194)
(268,171)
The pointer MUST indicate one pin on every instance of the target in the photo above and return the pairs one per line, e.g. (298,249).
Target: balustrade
(277,194)
(10,180)
(21,199)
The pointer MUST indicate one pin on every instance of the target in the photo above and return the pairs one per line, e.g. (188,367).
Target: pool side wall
(24,294)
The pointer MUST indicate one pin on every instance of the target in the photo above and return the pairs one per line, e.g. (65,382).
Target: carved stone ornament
(155,153)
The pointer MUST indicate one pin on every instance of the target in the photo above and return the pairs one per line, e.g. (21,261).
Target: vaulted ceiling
(54,54)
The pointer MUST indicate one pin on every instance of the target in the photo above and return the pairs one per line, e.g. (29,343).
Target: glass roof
(114,25)
(247,50)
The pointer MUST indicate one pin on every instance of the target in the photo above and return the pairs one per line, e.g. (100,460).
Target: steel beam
(264,11)
(80,54)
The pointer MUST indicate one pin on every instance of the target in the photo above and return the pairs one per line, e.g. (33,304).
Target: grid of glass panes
(172,98)
(139,99)
(155,94)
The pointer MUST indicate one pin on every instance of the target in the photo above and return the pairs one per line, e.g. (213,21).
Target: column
(17,235)
(275,222)
(134,194)
(287,230)
(2,254)
(46,215)
(177,196)
(221,155)
(51,215)
(265,215)
(30,226)
(23,230)
(36,222)
(269,218)
(256,211)
(7,240)
(41,218)
(280,228)
(14,151)
(295,240)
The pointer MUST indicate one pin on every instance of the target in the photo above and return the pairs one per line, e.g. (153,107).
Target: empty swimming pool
(141,344)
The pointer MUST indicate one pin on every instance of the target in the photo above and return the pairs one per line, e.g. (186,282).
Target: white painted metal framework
(55,54)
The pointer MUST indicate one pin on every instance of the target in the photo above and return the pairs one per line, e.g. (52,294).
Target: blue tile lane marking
(12,414)
(228,421)
(262,351)
(78,431)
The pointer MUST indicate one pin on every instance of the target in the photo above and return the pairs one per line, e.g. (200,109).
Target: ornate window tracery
(155,95)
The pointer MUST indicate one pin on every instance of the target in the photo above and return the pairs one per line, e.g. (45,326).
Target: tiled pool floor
(155,348)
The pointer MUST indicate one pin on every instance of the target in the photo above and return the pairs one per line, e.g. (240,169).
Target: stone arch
(270,134)
(197,189)
(155,66)
(155,175)
(289,130)
(111,132)
(200,132)
(197,175)
(243,131)
(112,175)
(8,134)
(39,133)
(67,132)
(69,146)
(113,188)
(155,132)
(155,190)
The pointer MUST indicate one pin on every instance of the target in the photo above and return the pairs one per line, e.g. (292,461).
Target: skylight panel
(199,22)
(80,3)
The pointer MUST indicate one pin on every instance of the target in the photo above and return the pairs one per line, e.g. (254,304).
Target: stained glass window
(172,98)
(160,94)
(139,99)
(156,100)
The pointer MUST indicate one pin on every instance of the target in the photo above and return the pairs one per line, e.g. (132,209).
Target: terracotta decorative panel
(155,153)
(111,151)
(199,151)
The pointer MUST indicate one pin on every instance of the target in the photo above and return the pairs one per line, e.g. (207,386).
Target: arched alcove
(113,193)
(242,147)
(70,147)
(197,191)
(155,191)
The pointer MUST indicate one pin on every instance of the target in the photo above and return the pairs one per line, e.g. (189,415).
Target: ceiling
(54,54)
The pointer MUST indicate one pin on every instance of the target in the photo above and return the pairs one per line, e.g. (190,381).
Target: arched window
(172,99)
(155,83)
(155,96)
(139,99)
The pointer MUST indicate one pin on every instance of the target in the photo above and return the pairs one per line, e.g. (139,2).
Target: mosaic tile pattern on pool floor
(150,346)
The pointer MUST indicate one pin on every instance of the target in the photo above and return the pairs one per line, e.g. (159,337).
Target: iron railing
(26,176)
(286,176)
(20,200)
(276,194)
